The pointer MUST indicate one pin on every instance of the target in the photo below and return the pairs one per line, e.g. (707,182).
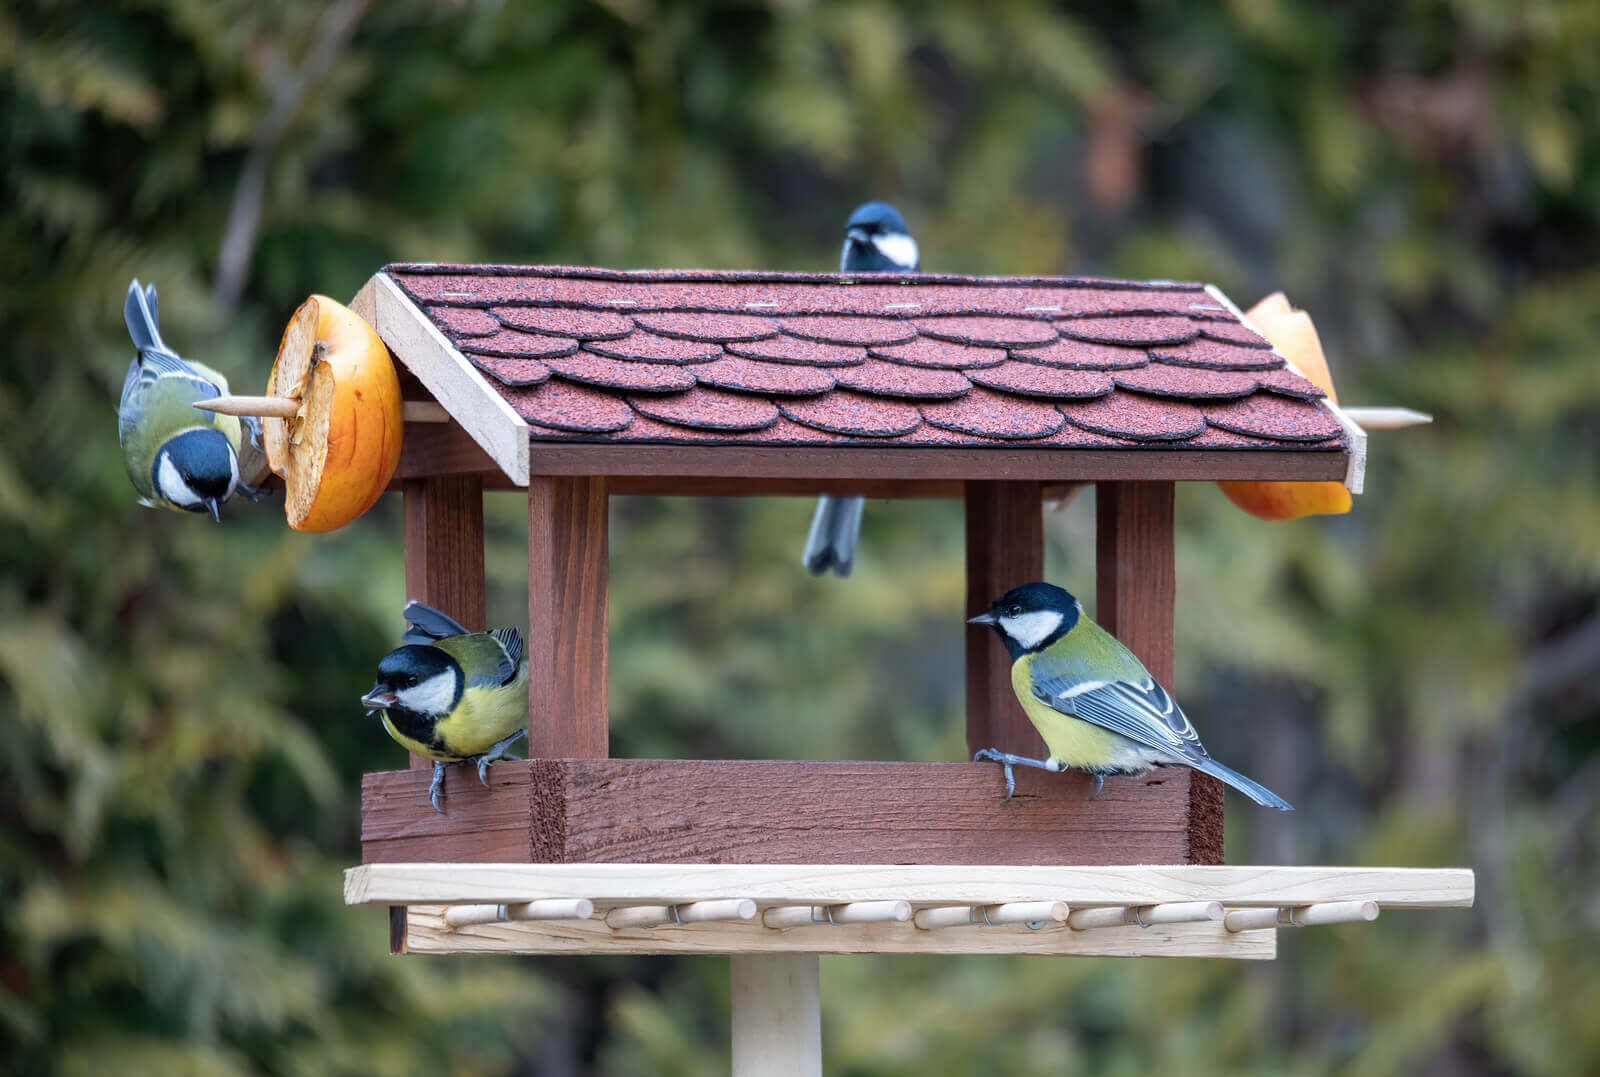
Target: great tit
(875,241)
(1093,702)
(179,457)
(451,695)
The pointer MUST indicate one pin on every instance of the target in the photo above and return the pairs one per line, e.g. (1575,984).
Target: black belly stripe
(418,727)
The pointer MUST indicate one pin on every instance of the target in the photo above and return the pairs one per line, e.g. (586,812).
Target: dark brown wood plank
(488,825)
(568,712)
(774,812)
(1005,548)
(1135,569)
(734,486)
(429,449)
(1136,598)
(444,550)
(865,462)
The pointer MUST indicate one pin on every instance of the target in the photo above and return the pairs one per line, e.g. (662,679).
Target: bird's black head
(416,681)
(1031,617)
(197,470)
(876,241)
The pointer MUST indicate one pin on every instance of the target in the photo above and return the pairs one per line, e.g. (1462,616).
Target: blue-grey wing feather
(1141,711)
(510,641)
(424,624)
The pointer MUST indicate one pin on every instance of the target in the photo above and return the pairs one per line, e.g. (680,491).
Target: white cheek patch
(169,481)
(432,696)
(1031,629)
(898,247)
(233,471)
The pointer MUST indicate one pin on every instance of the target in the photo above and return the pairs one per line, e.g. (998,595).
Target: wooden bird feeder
(577,384)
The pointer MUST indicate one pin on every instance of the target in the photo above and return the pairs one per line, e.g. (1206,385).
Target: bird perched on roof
(1093,702)
(451,695)
(875,241)
(179,457)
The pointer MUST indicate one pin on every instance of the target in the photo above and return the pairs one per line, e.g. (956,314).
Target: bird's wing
(1139,709)
(424,624)
(510,641)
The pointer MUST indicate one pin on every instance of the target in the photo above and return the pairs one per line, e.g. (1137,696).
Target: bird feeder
(578,384)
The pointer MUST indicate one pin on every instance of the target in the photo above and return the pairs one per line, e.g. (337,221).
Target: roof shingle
(704,357)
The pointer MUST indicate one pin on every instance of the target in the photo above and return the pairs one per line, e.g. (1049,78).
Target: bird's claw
(983,754)
(1099,783)
(495,754)
(436,787)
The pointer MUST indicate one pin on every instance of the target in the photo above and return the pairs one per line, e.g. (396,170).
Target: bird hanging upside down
(451,695)
(1096,706)
(179,457)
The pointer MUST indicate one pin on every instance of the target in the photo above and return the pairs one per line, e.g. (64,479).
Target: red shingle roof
(700,357)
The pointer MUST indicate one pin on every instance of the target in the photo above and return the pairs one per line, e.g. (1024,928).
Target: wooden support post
(1135,570)
(1136,595)
(568,715)
(1005,548)
(444,551)
(777,1015)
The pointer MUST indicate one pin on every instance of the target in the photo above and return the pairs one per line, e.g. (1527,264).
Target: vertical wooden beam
(444,551)
(568,714)
(1136,596)
(1005,548)
(1135,570)
(777,1015)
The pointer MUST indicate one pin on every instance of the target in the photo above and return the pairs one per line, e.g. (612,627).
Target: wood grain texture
(693,811)
(568,713)
(737,486)
(609,885)
(866,462)
(444,551)
(429,934)
(1005,548)
(1136,594)
(777,1015)
(424,351)
(441,449)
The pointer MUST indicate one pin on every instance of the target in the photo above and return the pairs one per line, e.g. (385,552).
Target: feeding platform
(1142,911)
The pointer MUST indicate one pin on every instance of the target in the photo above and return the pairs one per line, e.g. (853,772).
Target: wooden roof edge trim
(1355,437)
(1051,465)
(497,883)
(454,382)
(739,276)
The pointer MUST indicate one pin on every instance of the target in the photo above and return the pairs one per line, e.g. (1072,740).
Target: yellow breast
(484,717)
(1072,741)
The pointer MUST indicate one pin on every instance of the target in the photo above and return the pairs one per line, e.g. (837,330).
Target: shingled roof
(921,360)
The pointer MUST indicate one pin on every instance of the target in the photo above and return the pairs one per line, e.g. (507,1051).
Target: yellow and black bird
(451,695)
(1096,706)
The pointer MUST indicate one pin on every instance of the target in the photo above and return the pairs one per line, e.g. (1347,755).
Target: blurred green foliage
(182,746)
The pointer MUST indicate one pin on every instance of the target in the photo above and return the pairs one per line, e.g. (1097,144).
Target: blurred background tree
(177,700)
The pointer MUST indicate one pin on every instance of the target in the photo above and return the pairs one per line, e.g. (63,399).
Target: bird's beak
(982,619)
(376,700)
(216,508)
(858,235)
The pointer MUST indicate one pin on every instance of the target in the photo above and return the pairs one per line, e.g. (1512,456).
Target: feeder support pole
(568,712)
(1136,570)
(777,1015)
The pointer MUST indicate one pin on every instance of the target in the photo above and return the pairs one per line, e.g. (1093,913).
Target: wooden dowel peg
(1173,912)
(265,407)
(1328,912)
(544,909)
(855,912)
(1380,418)
(287,407)
(691,912)
(1014,912)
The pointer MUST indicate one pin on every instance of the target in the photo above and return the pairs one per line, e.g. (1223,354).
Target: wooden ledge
(688,811)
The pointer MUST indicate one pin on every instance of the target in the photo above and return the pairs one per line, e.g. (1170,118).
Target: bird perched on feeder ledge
(1096,706)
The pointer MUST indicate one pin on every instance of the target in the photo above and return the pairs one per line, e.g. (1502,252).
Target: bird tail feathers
(424,624)
(1252,789)
(835,531)
(141,314)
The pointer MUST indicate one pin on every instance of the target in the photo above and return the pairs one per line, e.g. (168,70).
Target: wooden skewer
(1328,912)
(546,909)
(1172,912)
(691,912)
(287,407)
(1012,912)
(1381,418)
(855,912)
